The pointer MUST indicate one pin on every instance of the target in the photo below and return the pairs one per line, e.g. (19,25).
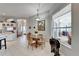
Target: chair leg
(28,45)
(32,47)
(44,44)
(42,47)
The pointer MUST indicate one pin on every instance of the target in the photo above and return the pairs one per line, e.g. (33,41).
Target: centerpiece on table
(36,32)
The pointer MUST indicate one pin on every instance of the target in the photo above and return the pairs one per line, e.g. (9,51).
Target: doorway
(21,27)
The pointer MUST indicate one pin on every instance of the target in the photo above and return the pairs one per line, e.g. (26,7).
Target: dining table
(36,39)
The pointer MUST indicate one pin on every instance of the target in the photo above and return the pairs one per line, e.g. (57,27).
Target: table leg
(36,43)
(0,44)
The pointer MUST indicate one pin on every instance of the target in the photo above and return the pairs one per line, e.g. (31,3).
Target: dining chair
(42,40)
(31,42)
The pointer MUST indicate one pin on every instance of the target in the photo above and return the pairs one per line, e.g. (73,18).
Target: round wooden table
(36,41)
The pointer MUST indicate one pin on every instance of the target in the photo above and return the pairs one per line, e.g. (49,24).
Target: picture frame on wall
(41,25)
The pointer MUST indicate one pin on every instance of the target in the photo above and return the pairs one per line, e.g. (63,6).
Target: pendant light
(38,18)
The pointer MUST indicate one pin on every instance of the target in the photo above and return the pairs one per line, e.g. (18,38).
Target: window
(62,25)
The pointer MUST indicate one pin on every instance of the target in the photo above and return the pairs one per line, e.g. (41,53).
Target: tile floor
(19,48)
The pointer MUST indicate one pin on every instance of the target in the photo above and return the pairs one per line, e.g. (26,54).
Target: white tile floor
(19,48)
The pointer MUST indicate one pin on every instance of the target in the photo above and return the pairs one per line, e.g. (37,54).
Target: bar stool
(1,39)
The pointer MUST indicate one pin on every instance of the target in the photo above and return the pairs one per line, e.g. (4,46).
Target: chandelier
(38,18)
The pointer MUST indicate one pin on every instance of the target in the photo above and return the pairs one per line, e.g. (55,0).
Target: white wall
(75,29)
(47,32)
(0,25)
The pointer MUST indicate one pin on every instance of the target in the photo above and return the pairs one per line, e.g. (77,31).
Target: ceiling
(27,9)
